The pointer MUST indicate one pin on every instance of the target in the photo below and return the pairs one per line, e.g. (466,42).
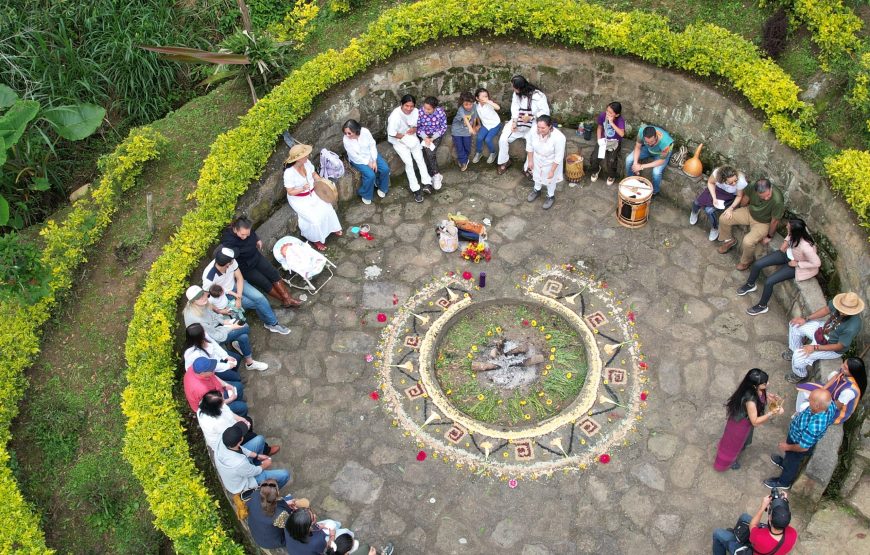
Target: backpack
(331,166)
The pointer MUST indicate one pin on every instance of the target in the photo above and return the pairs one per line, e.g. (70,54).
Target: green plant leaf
(7,97)
(40,184)
(2,151)
(75,122)
(15,120)
(194,55)
(4,211)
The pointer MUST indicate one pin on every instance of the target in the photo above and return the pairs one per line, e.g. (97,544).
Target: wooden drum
(633,201)
(574,168)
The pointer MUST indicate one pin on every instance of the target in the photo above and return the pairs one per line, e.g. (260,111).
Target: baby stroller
(300,259)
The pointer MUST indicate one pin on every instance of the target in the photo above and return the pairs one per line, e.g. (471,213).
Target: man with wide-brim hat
(830,331)
(317,217)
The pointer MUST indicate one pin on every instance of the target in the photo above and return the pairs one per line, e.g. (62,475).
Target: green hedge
(155,445)
(65,250)
(844,170)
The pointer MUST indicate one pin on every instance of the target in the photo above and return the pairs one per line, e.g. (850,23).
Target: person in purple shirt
(611,130)
(431,126)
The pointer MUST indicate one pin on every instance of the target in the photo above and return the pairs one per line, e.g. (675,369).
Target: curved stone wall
(580,83)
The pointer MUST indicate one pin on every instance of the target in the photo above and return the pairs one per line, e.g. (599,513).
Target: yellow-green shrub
(155,444)
(848,173)
(65,249)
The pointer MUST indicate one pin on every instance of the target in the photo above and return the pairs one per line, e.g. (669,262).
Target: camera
(776,493)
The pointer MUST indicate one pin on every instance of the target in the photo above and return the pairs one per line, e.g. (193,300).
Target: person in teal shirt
(654,144)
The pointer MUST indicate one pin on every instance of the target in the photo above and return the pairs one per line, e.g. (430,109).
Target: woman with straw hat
(317,218)
(828,338)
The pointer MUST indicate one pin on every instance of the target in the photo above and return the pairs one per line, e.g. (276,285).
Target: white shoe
(258,366)
(477,158)
(366,200)
(436,181)
(382,194)
(491,158)
(593,177)
(714,234)
(572,184)
(693,217)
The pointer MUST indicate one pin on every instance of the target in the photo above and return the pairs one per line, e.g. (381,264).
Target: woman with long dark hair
(745,409)
(610,132)
(796,257)
(197,343)
(846,386)
(528,103)
(402,134)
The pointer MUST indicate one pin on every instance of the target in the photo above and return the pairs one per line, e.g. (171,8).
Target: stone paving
(660,493)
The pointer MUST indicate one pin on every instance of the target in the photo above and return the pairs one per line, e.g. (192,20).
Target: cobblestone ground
(658,494)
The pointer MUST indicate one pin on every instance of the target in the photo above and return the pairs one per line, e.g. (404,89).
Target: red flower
(643,365)
(525,323)
(604,285)
(643,395)
(451,273)
(382,317)
(395,299)
(467,275)
(374,396)
(630,316)
(421,456)
(604,459)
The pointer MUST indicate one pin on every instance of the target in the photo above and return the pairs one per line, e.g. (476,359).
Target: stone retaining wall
(579,84)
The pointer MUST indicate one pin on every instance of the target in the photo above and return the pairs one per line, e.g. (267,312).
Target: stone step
(859,499)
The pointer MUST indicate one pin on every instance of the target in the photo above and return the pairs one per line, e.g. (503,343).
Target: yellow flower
(568,375)
(489,334)
(480,397)
(474,347)
(548,336)
(527,416)
(504,454)
(545,372)
(498,329)
(549,367)
(540,393)
(552,357)
(549,401)
(534,323)
(523,403)
(449,391)
(499,402)
(552,349)
(469,355)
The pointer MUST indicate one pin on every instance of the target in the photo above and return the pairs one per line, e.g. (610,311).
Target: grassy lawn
(68,437)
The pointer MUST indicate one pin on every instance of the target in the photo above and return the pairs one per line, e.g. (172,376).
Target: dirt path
(71,427)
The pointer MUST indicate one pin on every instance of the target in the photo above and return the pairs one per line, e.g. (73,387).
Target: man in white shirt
(236,466)
(402,134)
(224,271)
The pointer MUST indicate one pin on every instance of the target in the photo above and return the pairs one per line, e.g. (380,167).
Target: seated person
(845,385)
(724,189)
(220,303)
(214,417)
(652,143)
(775,536)
(267,511)
(828,338)
(345,543)
(317,218)
(200,378)
(236,466)
(761,209)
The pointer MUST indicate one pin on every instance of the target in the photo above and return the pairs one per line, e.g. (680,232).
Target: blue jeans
(712,214)
(238,406)
(367,187)
(488,135)
(253,299)
(229,375)
(657,172)
(791,464)
(279,475)
(724,541)
(463,148)
(240,335)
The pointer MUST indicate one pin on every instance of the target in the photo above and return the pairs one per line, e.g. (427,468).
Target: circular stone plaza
(573,402)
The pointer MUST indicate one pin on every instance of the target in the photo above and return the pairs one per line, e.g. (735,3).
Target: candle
(481,280)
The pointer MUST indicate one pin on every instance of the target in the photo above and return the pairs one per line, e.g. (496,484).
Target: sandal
(338,233)
(503,167)
(319,246)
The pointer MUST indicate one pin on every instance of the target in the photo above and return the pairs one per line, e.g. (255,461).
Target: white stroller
(300,259)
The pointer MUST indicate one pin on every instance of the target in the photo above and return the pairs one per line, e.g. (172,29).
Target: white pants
(335,525)
(409,156)
(507,136)
(551,187)
(799,360)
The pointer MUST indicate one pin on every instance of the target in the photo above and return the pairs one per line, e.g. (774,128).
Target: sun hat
(298,152)
(848,303)
(193,292)
(204,364)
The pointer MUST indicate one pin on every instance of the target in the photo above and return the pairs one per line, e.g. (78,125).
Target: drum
(574,168)
(633,201)
(325,189)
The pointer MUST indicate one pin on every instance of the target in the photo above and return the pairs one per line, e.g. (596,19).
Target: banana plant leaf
(15,120)
(75,122)
(7,97)
(194,55)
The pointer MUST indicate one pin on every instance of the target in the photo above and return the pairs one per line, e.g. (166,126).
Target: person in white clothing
(363,155)
(490,125)
(317,218)
(214,417)
(402,134)
(545,148)
(527,104)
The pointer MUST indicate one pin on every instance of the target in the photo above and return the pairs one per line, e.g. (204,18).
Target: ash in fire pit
(508,365)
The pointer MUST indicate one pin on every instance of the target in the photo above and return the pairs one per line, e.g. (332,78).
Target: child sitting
(462,129)
(220,303)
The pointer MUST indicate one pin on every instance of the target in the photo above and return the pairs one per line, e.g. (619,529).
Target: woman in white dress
(317,218)
(545,150)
